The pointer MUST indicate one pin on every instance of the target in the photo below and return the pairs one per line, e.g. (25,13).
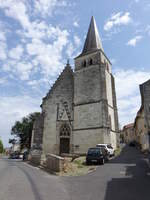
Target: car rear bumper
(94,160)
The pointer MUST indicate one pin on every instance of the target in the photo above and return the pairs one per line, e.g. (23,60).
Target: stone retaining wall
(54,163)
(35,159)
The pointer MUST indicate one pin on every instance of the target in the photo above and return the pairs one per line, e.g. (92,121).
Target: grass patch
(79,162)
(76,168)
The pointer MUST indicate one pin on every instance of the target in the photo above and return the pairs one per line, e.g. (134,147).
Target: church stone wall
(94,101)
(115,106)
(112,109)
(37,133)
(112,121)
(84,139)
(113,139)
(63,92)
(109,88)
(105,60)
(49,132)
(87,116)
(86,85)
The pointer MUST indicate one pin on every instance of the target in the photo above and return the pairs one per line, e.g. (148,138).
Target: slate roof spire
(93,41)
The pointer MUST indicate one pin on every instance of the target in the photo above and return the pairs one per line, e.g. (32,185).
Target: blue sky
(38,36)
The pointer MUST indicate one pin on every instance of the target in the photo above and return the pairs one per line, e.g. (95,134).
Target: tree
(1,146)
(23,129)
(12,141)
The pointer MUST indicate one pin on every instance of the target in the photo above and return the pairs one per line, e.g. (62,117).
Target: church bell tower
(95,109)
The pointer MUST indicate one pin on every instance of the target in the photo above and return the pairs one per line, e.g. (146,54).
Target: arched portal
(64,139)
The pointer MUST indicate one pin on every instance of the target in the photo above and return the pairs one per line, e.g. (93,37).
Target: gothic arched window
(65,130)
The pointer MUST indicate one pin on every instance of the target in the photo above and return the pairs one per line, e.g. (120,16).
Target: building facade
(145,96)
(80,110)
(140,129)
(142,120)
(128,133)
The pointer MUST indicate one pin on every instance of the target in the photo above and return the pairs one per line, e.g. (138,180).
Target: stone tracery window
(65,130)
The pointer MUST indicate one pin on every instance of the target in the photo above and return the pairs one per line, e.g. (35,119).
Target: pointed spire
(93,41)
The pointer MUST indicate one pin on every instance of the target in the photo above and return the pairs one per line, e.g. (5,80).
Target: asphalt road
(20,181)
(126,177)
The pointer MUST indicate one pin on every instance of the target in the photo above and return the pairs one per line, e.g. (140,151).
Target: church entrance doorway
(64,145)
(64,139)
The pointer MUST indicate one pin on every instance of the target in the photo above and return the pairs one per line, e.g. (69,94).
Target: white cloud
(16,53)
(47,41)
(147,29)
(76,24)
(20,69)
(113,61)
(3,81)
(117,19)
(134,41)
(132,80)
(46,7)
(70,50)
(2,36)
(14,108)
(49,56)
(24,70)
(3,46)
(3,51)
(17,10)
(128,94)
(77,41)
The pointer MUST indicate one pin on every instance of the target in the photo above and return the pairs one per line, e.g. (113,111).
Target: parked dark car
(97,155)
(14,155)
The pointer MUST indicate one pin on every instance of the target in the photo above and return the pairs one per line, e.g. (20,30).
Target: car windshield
(109,146)
(94,152)
(101,145)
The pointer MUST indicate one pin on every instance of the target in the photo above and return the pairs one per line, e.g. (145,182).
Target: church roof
(67,70)
(93,41)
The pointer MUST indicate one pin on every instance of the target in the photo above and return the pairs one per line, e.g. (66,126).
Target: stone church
(80,109)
